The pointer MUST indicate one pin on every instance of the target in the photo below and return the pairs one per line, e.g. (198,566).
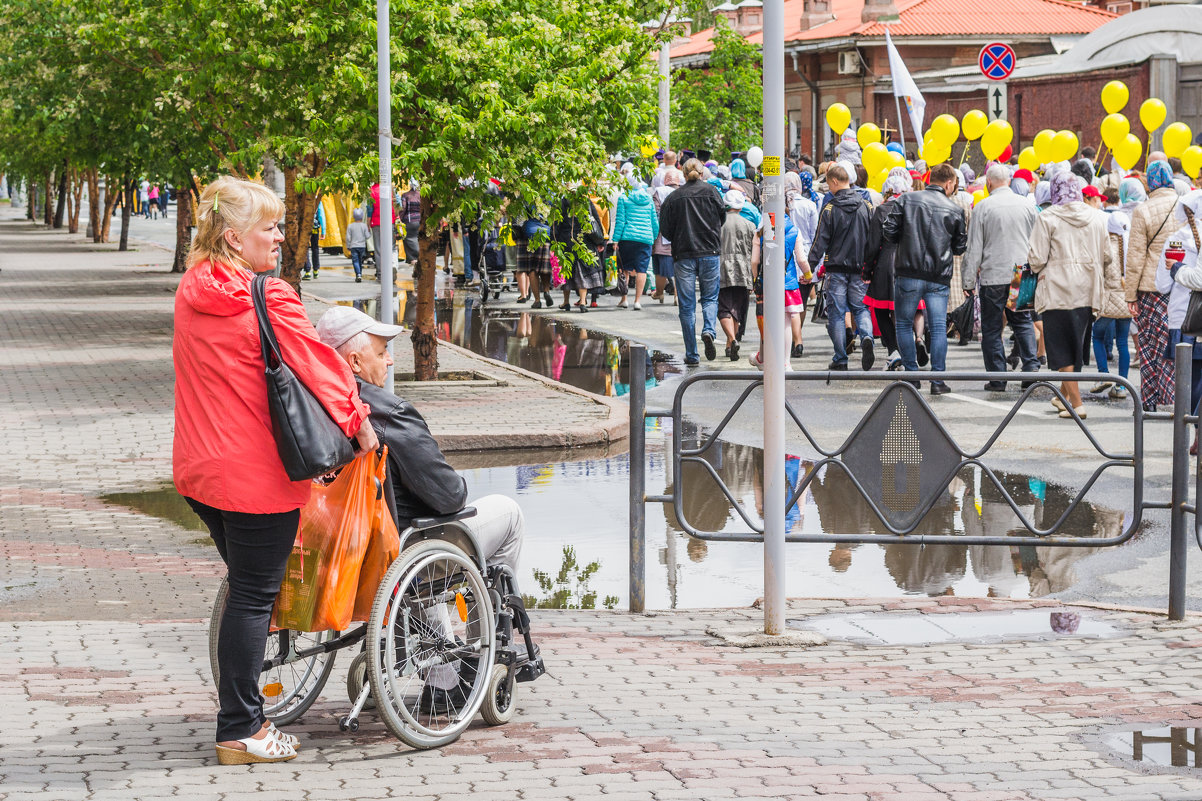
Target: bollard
(1178,542)
(638,478)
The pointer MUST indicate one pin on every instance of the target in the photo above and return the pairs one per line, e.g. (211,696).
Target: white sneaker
(893,361)
(756,361)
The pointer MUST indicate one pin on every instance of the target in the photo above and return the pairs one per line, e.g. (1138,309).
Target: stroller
(494,279)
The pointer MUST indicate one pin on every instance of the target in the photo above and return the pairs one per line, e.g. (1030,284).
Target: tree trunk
(112,196)
(60,205)
(74,201)
(127,209)
(299,208)
(31,200)
(183,225)
(424,338)
(92,176)
(48,202)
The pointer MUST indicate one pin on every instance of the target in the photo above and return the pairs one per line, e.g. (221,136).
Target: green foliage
(720,107)
(568,589)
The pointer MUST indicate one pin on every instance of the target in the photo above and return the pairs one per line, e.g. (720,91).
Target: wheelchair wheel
(498,700)
(356,677)
(288,689)
(431,630)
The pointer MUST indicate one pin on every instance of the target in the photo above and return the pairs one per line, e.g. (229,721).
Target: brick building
(835,52)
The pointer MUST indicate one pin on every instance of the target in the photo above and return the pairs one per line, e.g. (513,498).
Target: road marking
(1005,407)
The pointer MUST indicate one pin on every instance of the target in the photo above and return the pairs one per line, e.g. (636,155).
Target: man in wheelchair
(422,485)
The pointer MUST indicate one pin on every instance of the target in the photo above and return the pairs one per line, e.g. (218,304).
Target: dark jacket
(880,256)
(691,219)
(842,233)
(929,230)
(421,483)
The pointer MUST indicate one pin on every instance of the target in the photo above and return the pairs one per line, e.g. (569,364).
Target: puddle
(162,502)
(582,503)
(913,628)
(567,352)
(1167,747)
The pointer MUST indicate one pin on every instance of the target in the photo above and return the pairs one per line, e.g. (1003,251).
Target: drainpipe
(815,100)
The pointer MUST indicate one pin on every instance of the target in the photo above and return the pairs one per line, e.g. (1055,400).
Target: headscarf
(897,182)
(750,212)
(1191,201)
(848,149)
(717,184)
(1043,193)
(673,177)
(1020,187)
(1131,193)
(1118,223)
(723,172)
(850,169)
(1066,188)
(1160,175)
(807,186)
(738,169)
(968,174)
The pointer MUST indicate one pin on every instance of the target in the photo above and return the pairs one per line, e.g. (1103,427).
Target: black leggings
(255,549)
(884,321)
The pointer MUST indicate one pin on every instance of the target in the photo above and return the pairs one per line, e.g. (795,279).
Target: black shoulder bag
(310,443)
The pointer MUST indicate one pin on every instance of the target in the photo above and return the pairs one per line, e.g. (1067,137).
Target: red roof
(933,18)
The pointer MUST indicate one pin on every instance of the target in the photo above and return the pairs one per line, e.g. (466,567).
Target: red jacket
(375,205)
(225,454)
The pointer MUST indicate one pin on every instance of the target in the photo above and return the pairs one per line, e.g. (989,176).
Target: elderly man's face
(371,363)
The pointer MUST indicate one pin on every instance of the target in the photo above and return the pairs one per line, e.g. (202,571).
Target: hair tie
(216,195)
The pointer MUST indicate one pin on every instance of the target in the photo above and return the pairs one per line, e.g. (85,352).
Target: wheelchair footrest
(531,670)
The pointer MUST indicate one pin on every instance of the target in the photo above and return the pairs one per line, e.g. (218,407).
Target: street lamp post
(773,347)
(387,259)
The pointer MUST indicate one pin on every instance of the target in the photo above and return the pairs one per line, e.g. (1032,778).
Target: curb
(615,428)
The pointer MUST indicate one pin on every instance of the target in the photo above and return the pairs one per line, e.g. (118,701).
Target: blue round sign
(997,61)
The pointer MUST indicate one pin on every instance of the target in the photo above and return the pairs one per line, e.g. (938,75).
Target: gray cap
(341,323)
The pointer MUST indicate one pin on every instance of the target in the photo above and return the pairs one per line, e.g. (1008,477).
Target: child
(357,234)
(796,252)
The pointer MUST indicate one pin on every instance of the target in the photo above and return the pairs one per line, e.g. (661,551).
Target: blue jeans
(844,293)
(907,292)
(688,272)
(1107,330)
(358,256)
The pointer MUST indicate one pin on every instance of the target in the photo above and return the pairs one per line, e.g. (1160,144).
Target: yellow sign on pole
(771,165)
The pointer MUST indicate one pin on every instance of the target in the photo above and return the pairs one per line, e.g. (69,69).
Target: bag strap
(268,344)
(1148,247)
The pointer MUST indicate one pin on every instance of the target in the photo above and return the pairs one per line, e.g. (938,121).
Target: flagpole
(901,132)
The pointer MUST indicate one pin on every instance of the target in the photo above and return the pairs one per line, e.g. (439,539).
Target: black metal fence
(901,459)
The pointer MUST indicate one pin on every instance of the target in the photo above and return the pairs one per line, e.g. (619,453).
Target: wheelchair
(448,637)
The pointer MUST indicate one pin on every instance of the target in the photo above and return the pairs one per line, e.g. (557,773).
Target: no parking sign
(997,61)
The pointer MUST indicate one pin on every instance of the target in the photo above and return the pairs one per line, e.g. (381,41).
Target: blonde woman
(225,461)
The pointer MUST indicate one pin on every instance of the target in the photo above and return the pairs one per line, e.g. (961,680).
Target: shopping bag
(322,576)
(960,321)
(383,547)
(1022,289)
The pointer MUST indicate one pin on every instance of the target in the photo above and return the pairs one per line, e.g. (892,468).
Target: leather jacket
(842,233)
(929,230)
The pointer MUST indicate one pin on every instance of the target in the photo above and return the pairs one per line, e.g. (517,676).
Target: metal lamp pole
(387,259)
(773,346)
(665,75)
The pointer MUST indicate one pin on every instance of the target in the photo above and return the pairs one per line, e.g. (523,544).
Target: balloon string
(1097,167)
(964,155)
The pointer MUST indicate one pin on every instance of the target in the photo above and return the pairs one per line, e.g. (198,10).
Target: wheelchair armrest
(432,522)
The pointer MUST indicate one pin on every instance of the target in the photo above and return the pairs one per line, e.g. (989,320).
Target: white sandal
(262,749)
(286,739)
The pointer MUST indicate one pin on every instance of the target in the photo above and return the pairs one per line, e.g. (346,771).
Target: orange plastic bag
(382,550)
(322,578)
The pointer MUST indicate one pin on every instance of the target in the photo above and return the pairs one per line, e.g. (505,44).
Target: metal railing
(884,457)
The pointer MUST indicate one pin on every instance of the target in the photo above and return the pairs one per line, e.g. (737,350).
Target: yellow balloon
(874,157)
(1064,146)
(878,181)
(974,124)
(1043,146)
(946,128)
(1152,113)
(1114,97)
(896,160)
(1115,129)
(1191,161)
(998,135)
(936,155)
(1128,152)
(1176,139)
(838,116)
(978,196)
(867,134)
(1028,160)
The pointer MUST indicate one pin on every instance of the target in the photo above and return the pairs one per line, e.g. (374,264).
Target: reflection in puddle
(162,502)
(563,351)
(1170,747)
(582,503)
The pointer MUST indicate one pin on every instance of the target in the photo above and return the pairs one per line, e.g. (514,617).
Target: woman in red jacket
(225,462)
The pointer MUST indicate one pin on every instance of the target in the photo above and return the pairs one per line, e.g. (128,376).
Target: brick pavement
(105,683)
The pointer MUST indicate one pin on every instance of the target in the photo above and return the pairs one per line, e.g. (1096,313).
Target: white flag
(905,88)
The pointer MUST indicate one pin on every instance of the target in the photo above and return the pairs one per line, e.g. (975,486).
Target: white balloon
(755,156)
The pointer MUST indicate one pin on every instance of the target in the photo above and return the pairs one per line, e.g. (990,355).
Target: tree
(720,107)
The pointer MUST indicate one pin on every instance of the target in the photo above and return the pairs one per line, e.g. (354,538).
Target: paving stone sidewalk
(107,694)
